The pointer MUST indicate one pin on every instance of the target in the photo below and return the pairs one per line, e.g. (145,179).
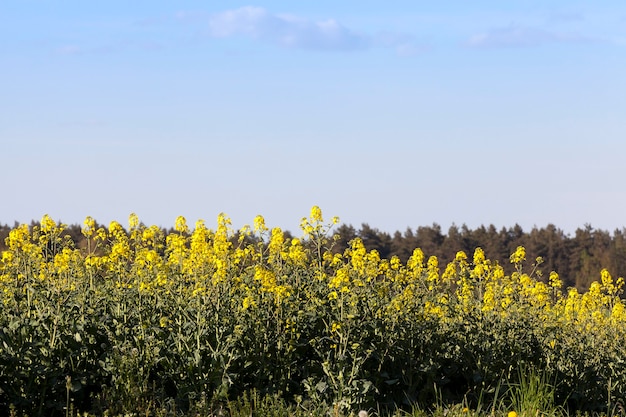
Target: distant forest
(578,259)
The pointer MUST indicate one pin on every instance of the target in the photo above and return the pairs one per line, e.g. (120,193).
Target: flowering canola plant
(139,315)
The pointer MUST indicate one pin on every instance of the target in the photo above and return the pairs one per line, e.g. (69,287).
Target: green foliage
(532,394)
(206,322)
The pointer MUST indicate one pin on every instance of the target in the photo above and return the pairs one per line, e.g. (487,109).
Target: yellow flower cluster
(257,262)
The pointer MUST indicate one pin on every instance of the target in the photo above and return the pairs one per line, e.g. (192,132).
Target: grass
(531,396)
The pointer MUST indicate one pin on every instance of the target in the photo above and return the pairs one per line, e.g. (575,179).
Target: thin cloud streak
(72,49)
(520,36)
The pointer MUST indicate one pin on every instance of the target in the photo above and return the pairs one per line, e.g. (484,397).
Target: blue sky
(396,114)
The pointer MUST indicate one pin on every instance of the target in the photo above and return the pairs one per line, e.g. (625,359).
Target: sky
(397,114)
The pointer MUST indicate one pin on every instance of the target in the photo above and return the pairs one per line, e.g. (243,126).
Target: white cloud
(286,30)
(519,36)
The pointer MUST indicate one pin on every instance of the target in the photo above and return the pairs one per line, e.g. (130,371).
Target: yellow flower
(181,225)
(316,214)
(416,261)
(479,263)
(489,301)
(148,235)
(395,263)
(479,256)
(433,271)
(498,272)
(144,287)
(120,250)
(512,414)
(101,234)
(259,224)
(296,254)
(277,241)
(62,261)
(19,237)
(90,225)
(618,313)
(554,280)
(133,221)
(199,291)
(281,292)
(340,280)
(248,302)
(47,224)
(449,273)
(431,309)
(519,255)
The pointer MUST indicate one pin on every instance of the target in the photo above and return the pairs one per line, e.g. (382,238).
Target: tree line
(577,258)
